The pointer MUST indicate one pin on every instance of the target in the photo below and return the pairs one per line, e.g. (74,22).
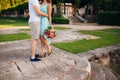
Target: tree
(24,0)
(106,5)
(12,3)
(101,5)
(17,2)
(75,3)
(5,4)
(57,1)
(0,8)
(13,7)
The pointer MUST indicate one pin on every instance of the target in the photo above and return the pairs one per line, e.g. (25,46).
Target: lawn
(7,23)
(60,28)
(108,37)
(56,28)
(21,36)
(13,37)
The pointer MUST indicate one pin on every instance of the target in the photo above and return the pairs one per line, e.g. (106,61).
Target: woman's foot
(43,54)
(49,51)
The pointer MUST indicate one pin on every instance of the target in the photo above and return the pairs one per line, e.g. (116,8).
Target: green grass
(13,37)
(56,27)
(60,28)
(20,36)
(108,37)
(8,23)
(25,29)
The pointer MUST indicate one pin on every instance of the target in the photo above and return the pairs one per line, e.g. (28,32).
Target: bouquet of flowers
(50,32)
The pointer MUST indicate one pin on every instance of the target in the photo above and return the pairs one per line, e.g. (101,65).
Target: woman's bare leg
(47,45)
(42,45)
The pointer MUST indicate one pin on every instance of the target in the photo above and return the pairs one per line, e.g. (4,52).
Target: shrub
(59,20)
(108,18)
(57,15)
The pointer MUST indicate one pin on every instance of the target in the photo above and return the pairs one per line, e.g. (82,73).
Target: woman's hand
(52,27)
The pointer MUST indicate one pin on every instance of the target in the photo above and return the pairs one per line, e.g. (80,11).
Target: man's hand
(38,12)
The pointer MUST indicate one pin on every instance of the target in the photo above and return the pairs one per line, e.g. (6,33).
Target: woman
(45,22)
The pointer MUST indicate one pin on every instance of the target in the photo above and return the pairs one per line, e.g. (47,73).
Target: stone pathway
(86,26)
(61,65)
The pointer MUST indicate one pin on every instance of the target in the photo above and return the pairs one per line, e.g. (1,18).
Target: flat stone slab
(61,65)
(9,71)
(54,67)
(70,35)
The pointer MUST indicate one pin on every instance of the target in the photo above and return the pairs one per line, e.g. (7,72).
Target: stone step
(61,65)
(109,74)
(99,72)
(74,19)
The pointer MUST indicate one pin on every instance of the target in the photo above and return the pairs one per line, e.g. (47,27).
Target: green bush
(59,20)
(57,15)
(108,18)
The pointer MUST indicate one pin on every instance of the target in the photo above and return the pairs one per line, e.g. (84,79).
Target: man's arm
(39,13)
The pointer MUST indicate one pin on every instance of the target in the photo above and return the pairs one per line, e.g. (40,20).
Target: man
(34,23)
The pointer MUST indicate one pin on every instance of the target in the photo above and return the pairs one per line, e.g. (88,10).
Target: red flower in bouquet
(50,32)
(52,35)
(47,32)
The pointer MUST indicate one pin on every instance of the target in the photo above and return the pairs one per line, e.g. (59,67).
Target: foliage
(57,1)
(56,15)
(5,4)
(109,18)
(105,5)
(19,8)
(108,37)
(59,20)
(76,3)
